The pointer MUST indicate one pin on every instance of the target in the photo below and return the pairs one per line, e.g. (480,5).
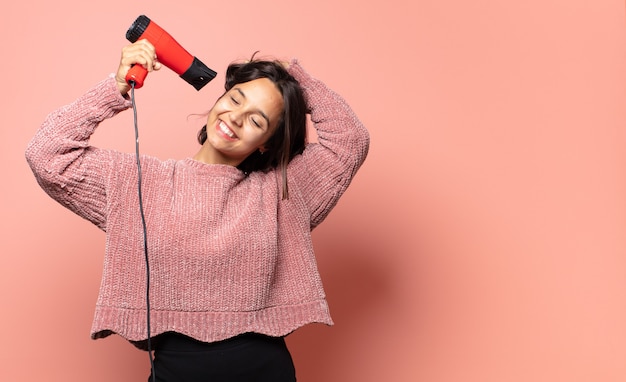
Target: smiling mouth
(226,130)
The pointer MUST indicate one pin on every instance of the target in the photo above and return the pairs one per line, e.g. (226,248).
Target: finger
(142,53)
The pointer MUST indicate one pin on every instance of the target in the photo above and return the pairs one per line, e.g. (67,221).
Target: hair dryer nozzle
(198,74)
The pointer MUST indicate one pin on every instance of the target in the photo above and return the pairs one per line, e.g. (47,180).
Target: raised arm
(66,167)
(325,169)
(70,170)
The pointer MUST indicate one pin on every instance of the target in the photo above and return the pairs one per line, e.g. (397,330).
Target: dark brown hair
(289,137)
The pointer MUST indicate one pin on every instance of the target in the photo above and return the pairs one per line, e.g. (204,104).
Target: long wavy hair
(289,138)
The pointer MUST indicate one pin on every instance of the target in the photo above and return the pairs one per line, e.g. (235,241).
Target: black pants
(246,358)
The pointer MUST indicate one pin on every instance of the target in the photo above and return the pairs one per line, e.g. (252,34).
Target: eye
(234,100)
(256,123)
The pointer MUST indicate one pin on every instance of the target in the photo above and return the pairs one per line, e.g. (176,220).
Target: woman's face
(241,121)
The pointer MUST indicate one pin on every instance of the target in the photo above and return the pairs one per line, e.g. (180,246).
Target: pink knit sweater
(227,255)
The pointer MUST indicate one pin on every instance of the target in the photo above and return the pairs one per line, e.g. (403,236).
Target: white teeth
(226,130)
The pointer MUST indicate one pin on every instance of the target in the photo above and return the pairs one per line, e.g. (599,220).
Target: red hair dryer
(169,53)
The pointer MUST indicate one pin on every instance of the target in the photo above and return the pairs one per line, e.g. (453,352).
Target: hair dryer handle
(136,74)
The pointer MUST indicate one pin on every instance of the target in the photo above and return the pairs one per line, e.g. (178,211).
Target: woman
(232,268)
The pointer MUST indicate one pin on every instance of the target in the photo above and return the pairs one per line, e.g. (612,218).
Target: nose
(236,117)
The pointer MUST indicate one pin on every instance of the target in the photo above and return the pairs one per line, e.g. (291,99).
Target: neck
(207,156)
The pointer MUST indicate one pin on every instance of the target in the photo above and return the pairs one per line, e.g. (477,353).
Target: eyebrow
(259,110)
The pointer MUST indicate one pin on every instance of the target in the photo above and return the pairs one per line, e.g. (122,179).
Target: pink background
(484,239)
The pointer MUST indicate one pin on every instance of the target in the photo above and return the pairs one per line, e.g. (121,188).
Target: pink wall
(484,239)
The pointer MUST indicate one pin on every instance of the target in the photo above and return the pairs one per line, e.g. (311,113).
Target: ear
(262,149)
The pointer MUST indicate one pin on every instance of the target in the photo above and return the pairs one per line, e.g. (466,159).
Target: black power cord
(143,222)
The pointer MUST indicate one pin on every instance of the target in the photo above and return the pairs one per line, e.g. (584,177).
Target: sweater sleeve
(325,169)
(66,167)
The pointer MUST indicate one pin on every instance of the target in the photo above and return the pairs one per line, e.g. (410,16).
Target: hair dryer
(169,53)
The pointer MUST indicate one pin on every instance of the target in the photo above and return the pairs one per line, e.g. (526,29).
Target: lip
(221,126)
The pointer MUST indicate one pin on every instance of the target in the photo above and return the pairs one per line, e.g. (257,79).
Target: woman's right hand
(141,53)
